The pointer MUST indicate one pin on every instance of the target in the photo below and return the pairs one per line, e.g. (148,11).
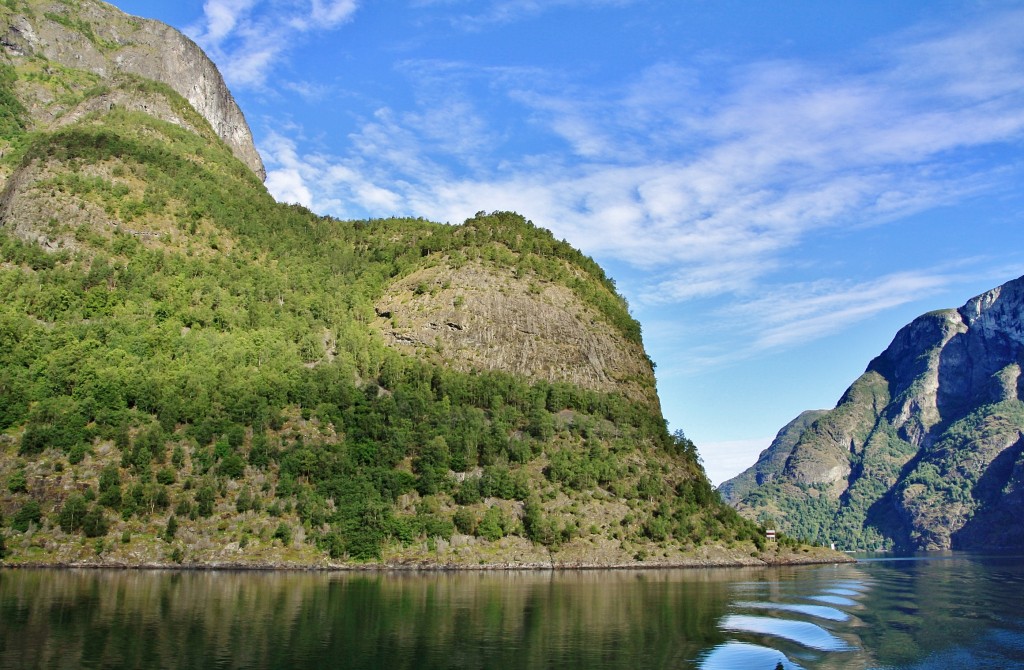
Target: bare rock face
(481,318)
(94,36)
(925,450)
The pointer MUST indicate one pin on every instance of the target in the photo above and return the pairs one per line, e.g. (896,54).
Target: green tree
(95,523)
(492,525)
(536,525)
(283,532)
(205,497)
(172,528)
(28,514)
(232,466)
(110,487)
(17,483)
(72,513)
(432,466)
(465,521)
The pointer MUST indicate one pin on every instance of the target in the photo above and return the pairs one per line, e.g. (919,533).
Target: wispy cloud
(309,91)
(498,12)
(784,316)
(248,38)
(796,313)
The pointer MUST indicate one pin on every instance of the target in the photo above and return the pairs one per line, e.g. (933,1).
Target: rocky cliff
(923,451)
(95,37)
(771,463)
(487,318)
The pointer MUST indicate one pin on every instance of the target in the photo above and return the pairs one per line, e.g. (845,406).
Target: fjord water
(931,612)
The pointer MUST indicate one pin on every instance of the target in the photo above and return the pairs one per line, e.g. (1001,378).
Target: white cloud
(287,174)
(332,13)
(304,180)
(248,38)
(222,16)
(797,313)
(287,185)
(498,12)
(789,151)
(309,91)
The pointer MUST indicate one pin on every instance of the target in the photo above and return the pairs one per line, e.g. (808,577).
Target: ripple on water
(732,654)
(818,611)
(802,632)
(839,601)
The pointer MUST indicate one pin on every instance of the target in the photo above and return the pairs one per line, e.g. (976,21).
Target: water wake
(773,622)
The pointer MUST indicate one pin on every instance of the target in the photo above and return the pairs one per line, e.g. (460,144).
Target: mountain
(924,451)
(103,44)
(771,462)
(193,373)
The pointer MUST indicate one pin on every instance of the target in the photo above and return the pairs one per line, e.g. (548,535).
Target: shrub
(28,514)
(283,532)
(232,466)
(17,483)
(465,521)
(492,526)
(172,528)
(95,523)
(72,513)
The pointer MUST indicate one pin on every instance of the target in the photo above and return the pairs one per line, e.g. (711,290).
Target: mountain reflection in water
(962,611)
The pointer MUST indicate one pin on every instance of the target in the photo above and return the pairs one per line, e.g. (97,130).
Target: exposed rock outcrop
(923,451)
(485,318)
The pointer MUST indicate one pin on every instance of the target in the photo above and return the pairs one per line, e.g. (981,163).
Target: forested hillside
(193,373)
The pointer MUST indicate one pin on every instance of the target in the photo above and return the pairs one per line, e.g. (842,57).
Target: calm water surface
(935,612)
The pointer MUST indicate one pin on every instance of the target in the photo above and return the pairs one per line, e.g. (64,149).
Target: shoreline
(415,566)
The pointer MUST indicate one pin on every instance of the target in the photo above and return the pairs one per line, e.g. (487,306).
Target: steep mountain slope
(191,372)
(923,451)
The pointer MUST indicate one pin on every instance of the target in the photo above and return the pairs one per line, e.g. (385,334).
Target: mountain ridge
(920,450)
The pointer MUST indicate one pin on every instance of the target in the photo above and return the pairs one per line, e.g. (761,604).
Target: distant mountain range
(923,451)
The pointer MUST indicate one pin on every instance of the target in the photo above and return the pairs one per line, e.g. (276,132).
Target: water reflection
(776,615)
(896,615)
(434,620)
(833,600)
(745,655)
(915,614)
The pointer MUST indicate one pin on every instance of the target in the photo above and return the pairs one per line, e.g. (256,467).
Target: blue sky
(777,187)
